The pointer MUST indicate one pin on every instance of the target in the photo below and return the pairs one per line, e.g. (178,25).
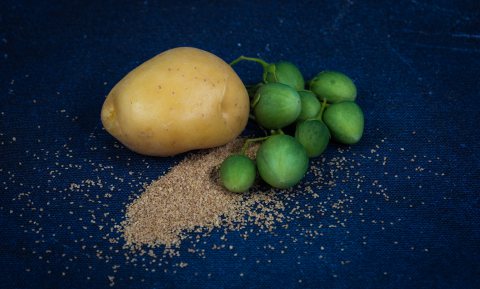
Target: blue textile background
(417,68)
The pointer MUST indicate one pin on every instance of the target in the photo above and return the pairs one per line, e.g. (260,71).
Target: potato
(180,100)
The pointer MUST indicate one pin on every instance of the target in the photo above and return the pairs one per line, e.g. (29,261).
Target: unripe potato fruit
(345,121)
(282,161)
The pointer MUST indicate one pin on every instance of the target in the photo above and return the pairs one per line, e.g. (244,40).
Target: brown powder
(190,198)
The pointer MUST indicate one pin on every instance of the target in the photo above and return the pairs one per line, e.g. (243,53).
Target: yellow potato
(180,100)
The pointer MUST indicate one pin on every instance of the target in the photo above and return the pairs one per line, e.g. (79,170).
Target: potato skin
(180,100)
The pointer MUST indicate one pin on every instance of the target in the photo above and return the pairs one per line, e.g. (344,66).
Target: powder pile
(190,198)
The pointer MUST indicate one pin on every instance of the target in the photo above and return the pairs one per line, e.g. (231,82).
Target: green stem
(255,100)
(305,90)
(258,60)
(322,109)
(252,89)
(309,84)
(276,131)
(272,69)
(251,140)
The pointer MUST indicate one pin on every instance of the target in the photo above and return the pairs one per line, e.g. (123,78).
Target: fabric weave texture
(409,218)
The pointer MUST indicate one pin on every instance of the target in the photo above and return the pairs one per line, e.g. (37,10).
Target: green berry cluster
(321,110)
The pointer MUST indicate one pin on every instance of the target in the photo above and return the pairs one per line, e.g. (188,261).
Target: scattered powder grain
(335,191)
(190,198)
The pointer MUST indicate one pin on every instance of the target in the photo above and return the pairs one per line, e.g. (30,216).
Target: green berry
(345,121)
(286,73)
(282,161)
(281,72)
(333,86)
(237,173)
(310,105)
(313,135)
(276,105)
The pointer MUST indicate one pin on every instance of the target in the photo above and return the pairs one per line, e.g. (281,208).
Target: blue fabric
(414,222)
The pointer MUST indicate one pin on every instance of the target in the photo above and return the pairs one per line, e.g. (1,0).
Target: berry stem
(322,109)
(252,89)
(251,140)
(258,60)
